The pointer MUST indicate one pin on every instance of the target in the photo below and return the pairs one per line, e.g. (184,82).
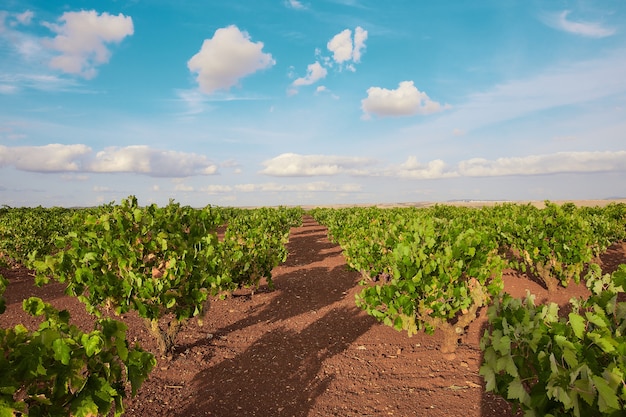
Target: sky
(311,102)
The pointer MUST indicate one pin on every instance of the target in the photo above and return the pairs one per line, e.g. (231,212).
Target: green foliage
(58,370)
(442,272)
(25,230)
(555,243)
(254,243)
(157,261)
(560,366)
(424,269)
(165,262)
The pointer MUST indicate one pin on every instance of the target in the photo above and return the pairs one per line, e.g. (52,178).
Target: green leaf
(596,319)
(502,344)
(603,341)
(34,306)
(6,411)
(92,343)
(85,407)
(560,394)
(578,324)
(516,391)
(607,400)
(62,351)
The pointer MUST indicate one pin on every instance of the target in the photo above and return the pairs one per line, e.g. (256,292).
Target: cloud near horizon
(316,186)
(138,159)
(296,165)
(560,162)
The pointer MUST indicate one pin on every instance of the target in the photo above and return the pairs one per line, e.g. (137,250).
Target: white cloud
(145,160)
(589,29)
(226,58)
(183,187)
(343,47)
(295,4)
(413,169)
(48,158)
(217,189)
(317,186)
(406,100)
(314,73)
(561,162)
(82,39)
(15,19)
(360,36)
(18,45)
(295,165)
(80,158)
(545,164)
(25,18)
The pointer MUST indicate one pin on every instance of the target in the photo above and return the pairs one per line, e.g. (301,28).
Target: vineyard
(221,311)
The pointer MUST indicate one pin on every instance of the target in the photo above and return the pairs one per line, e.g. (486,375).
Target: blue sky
(299,102)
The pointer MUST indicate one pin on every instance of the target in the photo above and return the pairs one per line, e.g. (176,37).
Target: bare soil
(304,349)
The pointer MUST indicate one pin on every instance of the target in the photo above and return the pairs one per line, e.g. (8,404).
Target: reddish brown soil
(304,349)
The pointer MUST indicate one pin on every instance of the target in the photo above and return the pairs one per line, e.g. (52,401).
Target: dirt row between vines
(303,349)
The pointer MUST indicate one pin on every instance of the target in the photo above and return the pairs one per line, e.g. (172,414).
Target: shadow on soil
(280,374)
(294,286)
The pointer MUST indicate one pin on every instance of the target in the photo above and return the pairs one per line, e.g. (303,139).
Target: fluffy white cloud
(314,73)
(295,165)
(157,163)
(406,100)
(589,29)
(80,158)
(82,39)
(343,47)
(226,58)
(412,168)
(560,162)
(49,158)
(360,36)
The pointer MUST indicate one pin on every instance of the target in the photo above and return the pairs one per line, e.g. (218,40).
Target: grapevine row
(162,262)
(433,268)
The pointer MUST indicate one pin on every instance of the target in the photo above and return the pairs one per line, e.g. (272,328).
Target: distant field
(476,203)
